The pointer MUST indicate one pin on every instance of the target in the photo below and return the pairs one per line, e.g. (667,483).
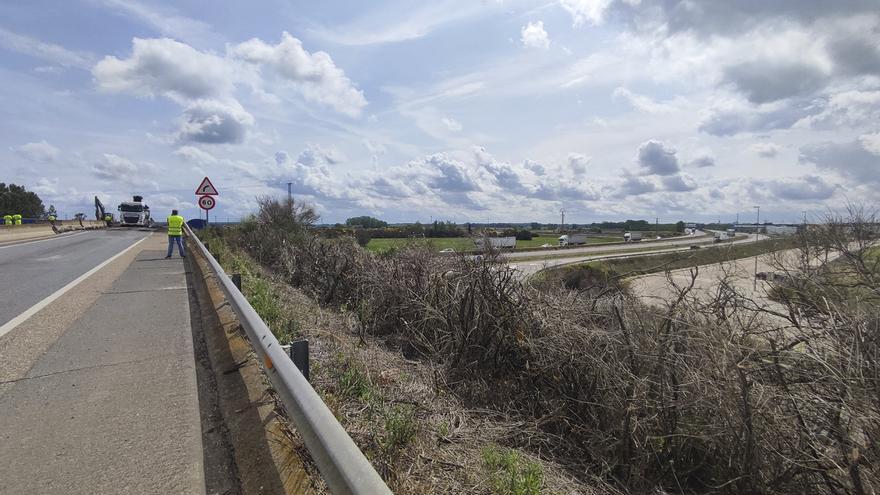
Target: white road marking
(18,320)
(62,236)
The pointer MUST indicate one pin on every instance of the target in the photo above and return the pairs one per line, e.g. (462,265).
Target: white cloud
(213,121)
(657,158)
(642,102)
(533,35)
(195,155)
(38,152)
(168,68)
(313,74)
(765,150)
(166,22)
(577,163)
(451,124)
(42,50)
(586,11)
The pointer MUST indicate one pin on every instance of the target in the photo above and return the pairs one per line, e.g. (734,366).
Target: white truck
(731,233)
(720,237)
(134,213)
(572,239)
(495,242)
(632,236)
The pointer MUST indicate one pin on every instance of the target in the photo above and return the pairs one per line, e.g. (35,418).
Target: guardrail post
(208,246)
(299,354)
(236,279)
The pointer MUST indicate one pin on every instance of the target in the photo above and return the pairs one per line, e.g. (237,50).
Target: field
(466,244)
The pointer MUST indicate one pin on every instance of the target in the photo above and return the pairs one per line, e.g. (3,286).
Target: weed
(400,428)
(353,382)
(511,475)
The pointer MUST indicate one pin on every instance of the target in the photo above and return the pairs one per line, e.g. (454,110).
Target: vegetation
(16,199)
(366,222)
(716,393)
(510,474)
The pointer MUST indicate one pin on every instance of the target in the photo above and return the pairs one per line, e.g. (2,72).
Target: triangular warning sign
(206,188)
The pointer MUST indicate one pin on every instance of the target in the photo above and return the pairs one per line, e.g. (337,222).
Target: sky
(462,110)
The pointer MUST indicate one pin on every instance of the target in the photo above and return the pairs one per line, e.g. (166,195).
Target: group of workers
(12,219)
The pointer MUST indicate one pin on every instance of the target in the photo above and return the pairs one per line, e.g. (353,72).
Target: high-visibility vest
(7,219)
(17,219)
(175,225)
(108,217)
(51,218)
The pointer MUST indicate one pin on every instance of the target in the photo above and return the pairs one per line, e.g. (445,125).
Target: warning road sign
(206,202)
(206,188)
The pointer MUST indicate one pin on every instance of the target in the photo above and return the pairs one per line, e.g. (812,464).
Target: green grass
(400,428)
(509,474)
(464,244)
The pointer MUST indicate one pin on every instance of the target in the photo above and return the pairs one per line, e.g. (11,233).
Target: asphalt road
(698,238)
(31,271)
(531,267)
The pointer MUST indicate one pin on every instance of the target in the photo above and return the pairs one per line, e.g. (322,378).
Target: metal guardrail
(342,465)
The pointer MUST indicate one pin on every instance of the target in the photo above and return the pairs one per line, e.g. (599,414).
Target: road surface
(98,390)
(33,270)
(698,238)
(528,268)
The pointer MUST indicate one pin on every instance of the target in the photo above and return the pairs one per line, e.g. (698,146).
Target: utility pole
(562,225)
(289,192)
(757,229)
(656,227)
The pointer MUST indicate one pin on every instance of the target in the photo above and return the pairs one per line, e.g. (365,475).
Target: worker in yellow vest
(175,231)
(108,218)
(52,219)
(7,219)
(17,219)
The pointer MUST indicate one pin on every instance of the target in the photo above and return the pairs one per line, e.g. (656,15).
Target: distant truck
(720,237)
(495,242)
(572,239)
(632,236)
(135,213)
(731,233)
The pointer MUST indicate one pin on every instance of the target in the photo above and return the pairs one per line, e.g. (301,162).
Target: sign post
(206,192)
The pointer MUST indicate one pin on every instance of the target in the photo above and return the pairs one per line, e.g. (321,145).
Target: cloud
(679,183)
(168,68)
(214,122)
(115,168)
(852,108)
(642,102)
(809,187)
(40,152)
(577,163)
(535,167)
(533,35)
(46,51)
(450,175)
(451,124)
(559,190)
(586,11)
(736,119)
(314,75)
(195,155)
(635,186)
(850,159)
(166,22)
(764,81)
(765,150)
(656,158)
(702,162)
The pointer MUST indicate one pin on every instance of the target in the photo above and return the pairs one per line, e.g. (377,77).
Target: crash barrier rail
(342,465)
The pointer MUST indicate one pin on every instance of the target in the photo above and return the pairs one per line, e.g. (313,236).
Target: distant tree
(16,199)
(51,211)
(679,226)
(366,222)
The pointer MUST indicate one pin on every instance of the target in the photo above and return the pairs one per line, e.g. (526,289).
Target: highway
(527,268)
(31,271)
(698,238)
(98,388)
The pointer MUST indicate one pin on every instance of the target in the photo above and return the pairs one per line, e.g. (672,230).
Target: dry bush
(723,394)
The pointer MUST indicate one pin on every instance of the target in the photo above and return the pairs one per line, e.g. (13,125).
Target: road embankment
(239,410)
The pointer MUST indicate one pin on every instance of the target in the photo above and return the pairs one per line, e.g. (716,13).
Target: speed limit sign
(206,202)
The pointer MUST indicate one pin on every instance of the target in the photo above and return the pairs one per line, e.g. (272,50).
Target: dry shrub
(717,395)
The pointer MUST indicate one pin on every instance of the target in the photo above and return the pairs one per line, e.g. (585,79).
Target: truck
(632,236)
(572,239)
(495,242)
(135,213)
(731,233)
(720,237)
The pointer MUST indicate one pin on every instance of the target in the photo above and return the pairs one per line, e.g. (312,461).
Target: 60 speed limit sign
(206,202)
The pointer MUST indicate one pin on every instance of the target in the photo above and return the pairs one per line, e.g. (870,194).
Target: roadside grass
(510,474)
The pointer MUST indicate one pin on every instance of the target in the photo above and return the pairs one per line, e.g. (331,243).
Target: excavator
(101,214)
